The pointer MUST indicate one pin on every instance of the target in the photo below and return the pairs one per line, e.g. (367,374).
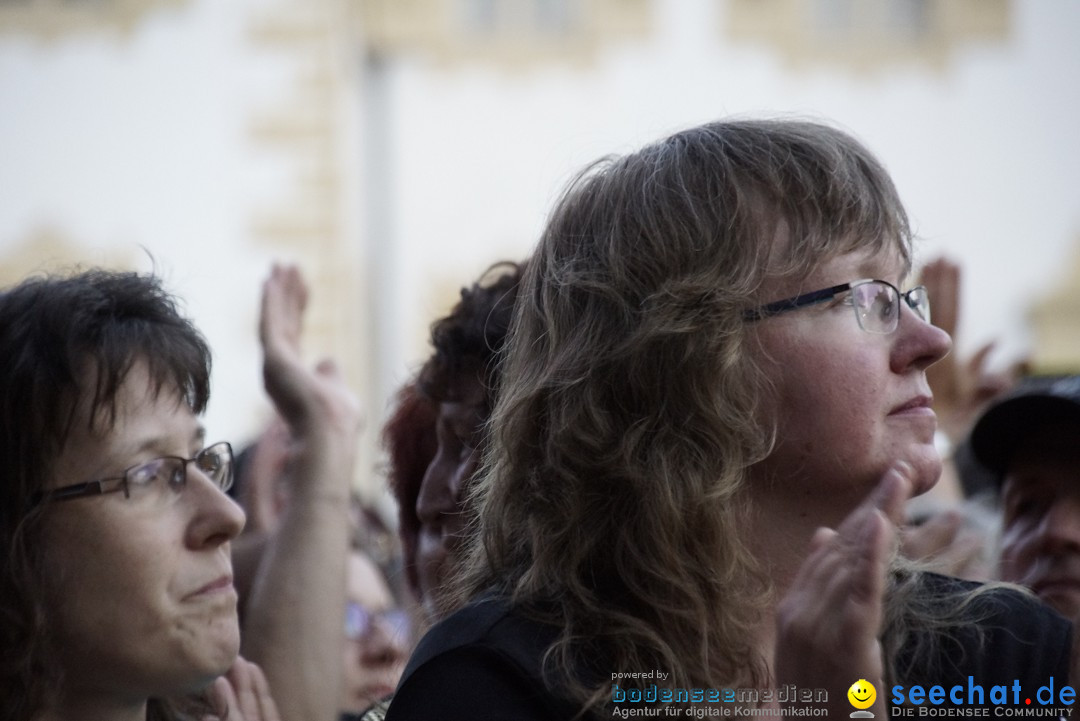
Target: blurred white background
(394,149)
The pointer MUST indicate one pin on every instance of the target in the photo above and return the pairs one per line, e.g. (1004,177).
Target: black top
(483,662)
(1010,637)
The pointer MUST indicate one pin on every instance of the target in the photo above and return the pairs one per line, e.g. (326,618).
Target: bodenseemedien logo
(651,700)
(862,696)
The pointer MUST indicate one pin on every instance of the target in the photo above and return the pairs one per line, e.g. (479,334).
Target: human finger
(288,382)
(222,699)
(284,300)
(268,710)
(942,280)
(239,677)
(888,497)
(932,537)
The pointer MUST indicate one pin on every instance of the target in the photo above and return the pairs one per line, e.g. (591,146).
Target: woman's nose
(217,518)
(918,344)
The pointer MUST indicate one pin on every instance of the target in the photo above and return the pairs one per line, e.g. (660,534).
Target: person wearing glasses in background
(117,585)
(712,409)
(378,637)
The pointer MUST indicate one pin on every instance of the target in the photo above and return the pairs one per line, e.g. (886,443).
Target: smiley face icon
(862,694)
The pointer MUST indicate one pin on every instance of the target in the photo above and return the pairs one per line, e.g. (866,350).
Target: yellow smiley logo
(862,694)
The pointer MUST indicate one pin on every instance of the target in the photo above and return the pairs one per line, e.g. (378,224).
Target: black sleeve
(1004,637)
(1027,641)
(471,683)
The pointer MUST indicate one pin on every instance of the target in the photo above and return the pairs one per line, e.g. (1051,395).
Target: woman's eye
(156,470)
(886,305)
(177,475)
(209,464)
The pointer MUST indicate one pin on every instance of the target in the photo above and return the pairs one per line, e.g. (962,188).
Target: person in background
(378,633)
(260,468)
(461,378)
(410,442)
(116,594)
(435,436)
(1030,441)
(712,410)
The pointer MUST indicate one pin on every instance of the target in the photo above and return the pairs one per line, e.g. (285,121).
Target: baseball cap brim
(1000,430)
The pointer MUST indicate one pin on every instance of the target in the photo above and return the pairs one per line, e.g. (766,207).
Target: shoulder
(482,662)
(993,633)
(1000,606)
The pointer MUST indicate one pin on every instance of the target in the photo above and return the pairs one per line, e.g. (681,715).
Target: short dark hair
(471,338)
(69,341)
(411,443)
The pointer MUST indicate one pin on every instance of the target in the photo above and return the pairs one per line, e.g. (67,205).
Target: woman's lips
(920,405)
(218,585)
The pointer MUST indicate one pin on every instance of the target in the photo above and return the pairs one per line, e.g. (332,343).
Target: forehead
(796,249)
(857,265)
(142,418)
(365,583)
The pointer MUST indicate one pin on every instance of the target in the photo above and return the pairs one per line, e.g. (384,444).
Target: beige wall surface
(395,148)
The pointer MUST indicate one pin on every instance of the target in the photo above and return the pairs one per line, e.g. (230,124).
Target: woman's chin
(927,465)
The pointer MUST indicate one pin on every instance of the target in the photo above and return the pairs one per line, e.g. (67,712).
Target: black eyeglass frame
(825,294)
(120,483)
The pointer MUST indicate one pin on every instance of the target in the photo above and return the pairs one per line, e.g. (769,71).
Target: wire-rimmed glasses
(360,622)
(167,474)
(876,304)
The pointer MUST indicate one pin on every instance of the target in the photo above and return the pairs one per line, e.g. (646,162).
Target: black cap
(1036,403)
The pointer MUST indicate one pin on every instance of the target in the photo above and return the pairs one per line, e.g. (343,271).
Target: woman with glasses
(713,408)
(117,585)
(378,636)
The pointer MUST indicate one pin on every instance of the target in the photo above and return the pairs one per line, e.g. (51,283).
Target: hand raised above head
(310,401)
(829,621)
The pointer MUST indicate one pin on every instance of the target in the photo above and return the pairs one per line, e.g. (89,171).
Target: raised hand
(310,402)
(829,621)
(295,614)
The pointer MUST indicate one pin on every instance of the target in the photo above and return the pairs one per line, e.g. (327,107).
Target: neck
(780,533)
(781,523)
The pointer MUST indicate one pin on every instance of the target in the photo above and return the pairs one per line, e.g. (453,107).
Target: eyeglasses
(360,622)
(876,304)
(154,478)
